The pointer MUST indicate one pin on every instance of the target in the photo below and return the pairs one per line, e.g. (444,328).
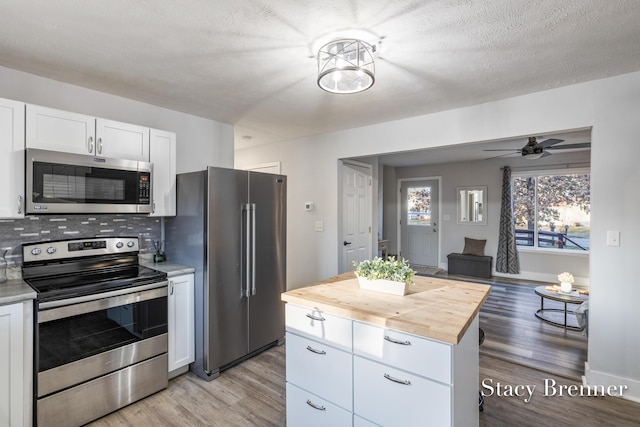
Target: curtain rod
(557,166)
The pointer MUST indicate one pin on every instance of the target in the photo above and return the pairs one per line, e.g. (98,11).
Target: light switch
(319,225)
(613,238)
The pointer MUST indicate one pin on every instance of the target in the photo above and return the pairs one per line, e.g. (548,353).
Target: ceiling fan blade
(569,146)
(502,155)
(549,142)
(515,150)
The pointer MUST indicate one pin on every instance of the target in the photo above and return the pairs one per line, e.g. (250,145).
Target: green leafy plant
(390,269)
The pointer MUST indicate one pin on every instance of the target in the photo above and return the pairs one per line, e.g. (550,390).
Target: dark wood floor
(518,349)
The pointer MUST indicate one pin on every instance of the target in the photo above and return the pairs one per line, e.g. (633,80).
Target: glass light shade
(346,66)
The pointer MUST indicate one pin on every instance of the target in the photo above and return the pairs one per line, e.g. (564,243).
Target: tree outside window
(552,211)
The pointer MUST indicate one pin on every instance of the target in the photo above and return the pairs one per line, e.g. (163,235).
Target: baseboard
(596,378)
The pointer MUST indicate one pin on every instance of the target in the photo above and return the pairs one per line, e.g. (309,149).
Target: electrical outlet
(613,238)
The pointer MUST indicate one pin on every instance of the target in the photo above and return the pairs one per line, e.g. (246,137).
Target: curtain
(507,257)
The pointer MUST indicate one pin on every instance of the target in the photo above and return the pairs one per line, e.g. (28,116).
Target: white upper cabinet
(11,159)
(56,130)
(162,153)
(122,140)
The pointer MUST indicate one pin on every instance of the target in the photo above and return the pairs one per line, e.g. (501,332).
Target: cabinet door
(56,130)
(162,153)
(181,321)
(122,140)
(11,365)
(11,159)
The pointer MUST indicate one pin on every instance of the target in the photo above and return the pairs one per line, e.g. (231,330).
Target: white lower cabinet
(14,366)
(342,372)
(308,410)
(391,397)
(181,321)
(320,368)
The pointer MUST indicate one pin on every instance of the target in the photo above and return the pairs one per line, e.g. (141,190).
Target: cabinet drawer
(318,324)
(321,369)
(422,356)
(391,397)
(306,409)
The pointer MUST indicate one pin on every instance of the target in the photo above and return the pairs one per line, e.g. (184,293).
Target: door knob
(346,243)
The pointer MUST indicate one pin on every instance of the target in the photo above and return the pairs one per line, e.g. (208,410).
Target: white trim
(594,378)
(269,165)
(554,171)
(399,212)
(554,251)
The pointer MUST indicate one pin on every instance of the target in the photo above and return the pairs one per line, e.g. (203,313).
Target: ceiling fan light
(352,59)
(533,156)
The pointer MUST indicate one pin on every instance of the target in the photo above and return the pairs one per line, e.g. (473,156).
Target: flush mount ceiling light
(346,66)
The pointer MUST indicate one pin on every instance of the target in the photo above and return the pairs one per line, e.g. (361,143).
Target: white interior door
(356,215)
(418,222)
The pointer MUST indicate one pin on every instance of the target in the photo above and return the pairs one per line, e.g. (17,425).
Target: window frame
(549,172)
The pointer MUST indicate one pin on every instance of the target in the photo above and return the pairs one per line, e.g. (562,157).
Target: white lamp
(346,66)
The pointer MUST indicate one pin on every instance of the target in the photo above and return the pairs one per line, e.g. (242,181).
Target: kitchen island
(364,358)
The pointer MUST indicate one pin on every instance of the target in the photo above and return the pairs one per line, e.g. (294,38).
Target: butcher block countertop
(440,309)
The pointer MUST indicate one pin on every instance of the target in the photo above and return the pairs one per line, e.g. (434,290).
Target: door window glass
(419,206)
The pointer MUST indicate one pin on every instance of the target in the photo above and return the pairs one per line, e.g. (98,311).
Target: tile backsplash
(13,233)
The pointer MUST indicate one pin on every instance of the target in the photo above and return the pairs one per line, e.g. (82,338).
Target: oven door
(98,353)
(74,183)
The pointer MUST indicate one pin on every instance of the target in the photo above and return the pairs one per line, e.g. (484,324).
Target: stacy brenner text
(550,388)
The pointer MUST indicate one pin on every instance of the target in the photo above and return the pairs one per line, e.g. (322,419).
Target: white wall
(610,106)
(534,265)
(200,142)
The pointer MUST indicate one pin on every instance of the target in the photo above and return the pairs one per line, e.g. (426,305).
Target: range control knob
(35,251)
(51,250)
(119,245)
(130,243)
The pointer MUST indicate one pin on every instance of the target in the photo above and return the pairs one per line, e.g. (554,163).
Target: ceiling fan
(534,149)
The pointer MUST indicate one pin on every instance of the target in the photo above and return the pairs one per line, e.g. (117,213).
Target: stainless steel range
(100,328)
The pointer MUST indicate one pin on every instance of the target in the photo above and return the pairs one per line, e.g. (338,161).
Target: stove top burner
(70,268)
(68,286)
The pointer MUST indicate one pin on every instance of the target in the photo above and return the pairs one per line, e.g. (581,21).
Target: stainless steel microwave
(59,182)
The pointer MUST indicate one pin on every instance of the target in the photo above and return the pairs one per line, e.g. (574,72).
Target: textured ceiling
(252,63)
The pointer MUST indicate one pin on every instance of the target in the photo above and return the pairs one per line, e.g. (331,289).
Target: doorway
(419,218)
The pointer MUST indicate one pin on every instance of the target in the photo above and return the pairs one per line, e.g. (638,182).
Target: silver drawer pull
(319,319)
(314,406)
(313,350)
(388,338)
(395,380)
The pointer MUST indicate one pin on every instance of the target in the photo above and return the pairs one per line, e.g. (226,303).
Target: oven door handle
(96,302)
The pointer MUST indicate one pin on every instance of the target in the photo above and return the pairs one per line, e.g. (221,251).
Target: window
(552,210)
(419,206)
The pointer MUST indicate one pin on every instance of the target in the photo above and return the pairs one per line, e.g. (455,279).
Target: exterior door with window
(356,214)
(418,223)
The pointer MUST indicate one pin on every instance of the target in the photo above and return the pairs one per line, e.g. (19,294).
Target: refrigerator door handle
(247,254)
(253,248)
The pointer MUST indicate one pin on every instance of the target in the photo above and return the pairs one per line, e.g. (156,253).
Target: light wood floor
(518,349)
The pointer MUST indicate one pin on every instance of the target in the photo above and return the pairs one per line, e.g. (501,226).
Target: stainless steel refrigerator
(231,227)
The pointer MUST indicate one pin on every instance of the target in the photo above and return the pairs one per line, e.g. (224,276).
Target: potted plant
(391,276)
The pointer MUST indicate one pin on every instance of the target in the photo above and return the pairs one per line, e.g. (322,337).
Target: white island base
(343,371)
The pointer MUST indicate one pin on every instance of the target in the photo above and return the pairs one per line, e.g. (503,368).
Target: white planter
(386,286)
